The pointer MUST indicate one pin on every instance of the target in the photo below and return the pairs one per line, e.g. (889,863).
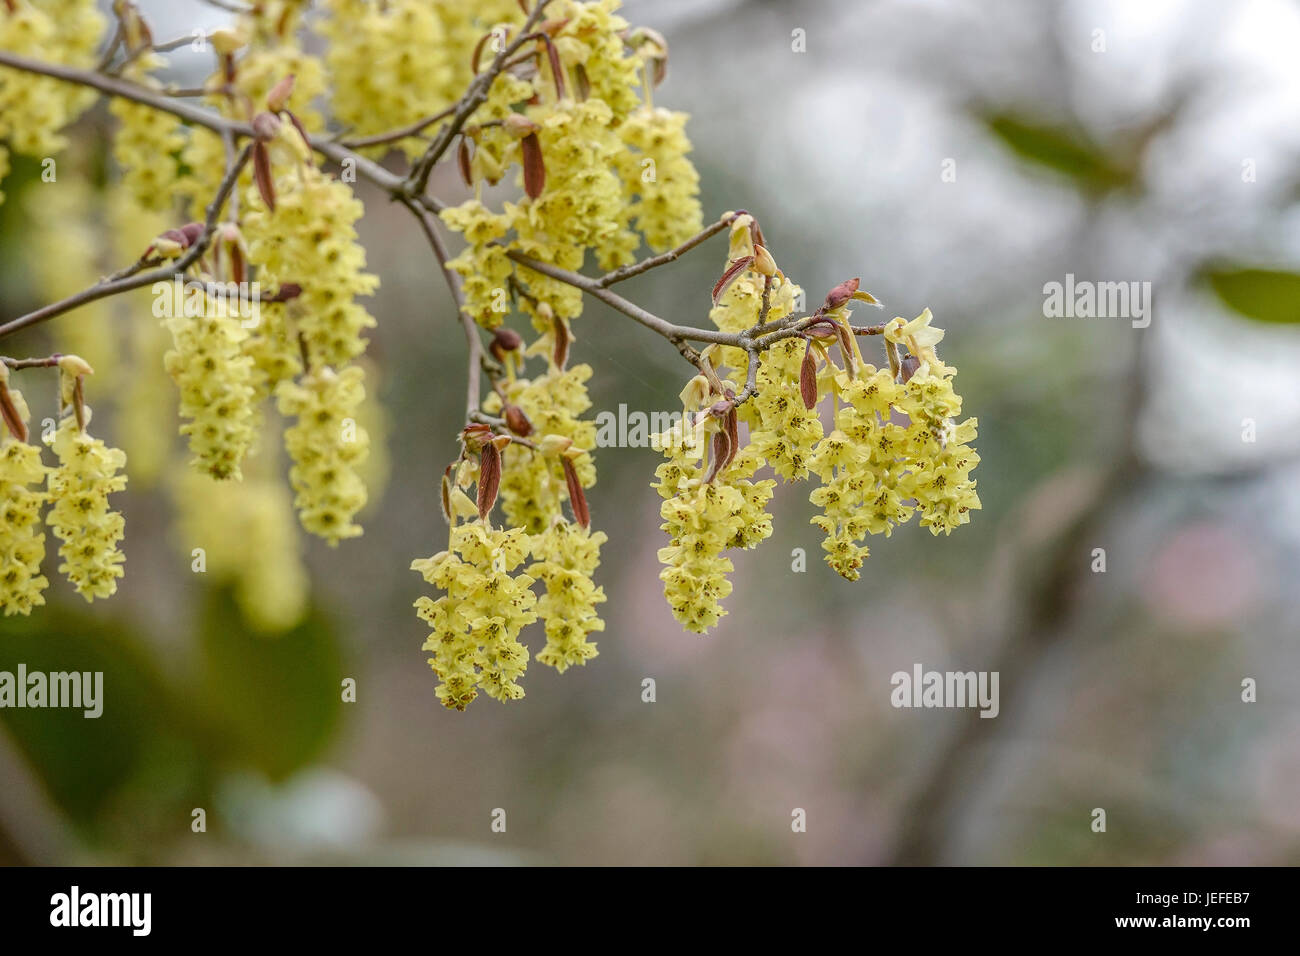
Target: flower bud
(266,126)
(227,40)
(553,445)
(74,366)
(517,421)
(696,392)
(808,377)
(841,294)
(518,125)
(504,340)
(764,264)
(534,165)
(278,98)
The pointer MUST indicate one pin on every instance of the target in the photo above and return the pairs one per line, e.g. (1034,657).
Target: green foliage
(83,762)
(266,704)
(1265,295)
(1061,149)
(275,701)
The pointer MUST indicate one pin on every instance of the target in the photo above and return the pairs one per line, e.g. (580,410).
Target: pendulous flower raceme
(214,378)
(245,199)
(22,538)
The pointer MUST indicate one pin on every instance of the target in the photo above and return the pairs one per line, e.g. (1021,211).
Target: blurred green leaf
(1265,295)
(1061,149)
(276,700)
(83,762)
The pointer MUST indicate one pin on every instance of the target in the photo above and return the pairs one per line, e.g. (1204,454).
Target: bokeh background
(1115,141)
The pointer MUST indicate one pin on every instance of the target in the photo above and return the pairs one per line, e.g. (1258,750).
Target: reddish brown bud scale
(297,124)
(287,292)
(9,412)
(841,294)
(238,271)
(278,98)
(445,497)
(474,435)
(517,421)
(534,165)
(463,161)
(557,68)
(583,83)
(489,478)
(732,273)
(191,231)
(577,497)
(265,127)
(908,367)
(808,378)
(262,175)
(478,51)
(722,454)
(846,348)
(507,339)
(563,339)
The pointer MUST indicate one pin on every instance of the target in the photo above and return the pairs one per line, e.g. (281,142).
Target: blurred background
(956,155)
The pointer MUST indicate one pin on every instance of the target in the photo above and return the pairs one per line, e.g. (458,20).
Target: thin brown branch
(391,183)
(674,333)
(474,97)
(114,286)
(645,265)
(411,129)
(476,358)
(50,361)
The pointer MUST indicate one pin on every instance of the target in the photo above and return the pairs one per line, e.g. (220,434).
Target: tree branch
(474,97)
(645,265)
(593,287)
(391,183)
(476,356)
(125,282)
(411,129)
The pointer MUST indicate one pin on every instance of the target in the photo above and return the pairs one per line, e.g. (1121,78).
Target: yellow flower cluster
(877,473)
(326,445)
(214,377)
(567,554)
(147,142)
(249,538)
(533,484)
(593,39)
(605,161)
(464,25)
(34,108)
(582,204)
(703,519)
(655,168)
(147,425)
(275,51)
(782,428)
(81,515)
(22,540)
(310,239)
(476,622)
(484,607)
(387,65)
(482,265)
(874,471)
(63,250)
